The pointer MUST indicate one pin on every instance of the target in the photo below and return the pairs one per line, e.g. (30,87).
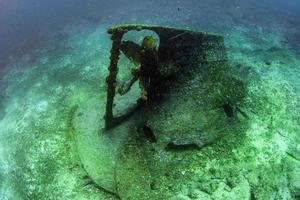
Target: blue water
(25,25)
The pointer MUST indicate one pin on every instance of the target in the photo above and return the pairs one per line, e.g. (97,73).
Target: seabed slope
(39,99)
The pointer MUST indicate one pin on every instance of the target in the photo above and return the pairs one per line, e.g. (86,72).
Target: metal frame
(168,51)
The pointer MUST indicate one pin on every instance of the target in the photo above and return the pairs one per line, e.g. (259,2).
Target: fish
(182,145)
(132,51)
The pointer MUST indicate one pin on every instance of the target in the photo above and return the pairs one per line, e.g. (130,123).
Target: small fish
(132,51)
(228,110)
(182,145)
(148,133)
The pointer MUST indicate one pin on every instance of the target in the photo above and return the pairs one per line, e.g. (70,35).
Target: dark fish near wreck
(131,51)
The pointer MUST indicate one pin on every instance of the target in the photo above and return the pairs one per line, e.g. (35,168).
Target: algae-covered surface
(229,131)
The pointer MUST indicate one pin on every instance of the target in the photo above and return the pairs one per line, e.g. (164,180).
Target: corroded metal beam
(111,79)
